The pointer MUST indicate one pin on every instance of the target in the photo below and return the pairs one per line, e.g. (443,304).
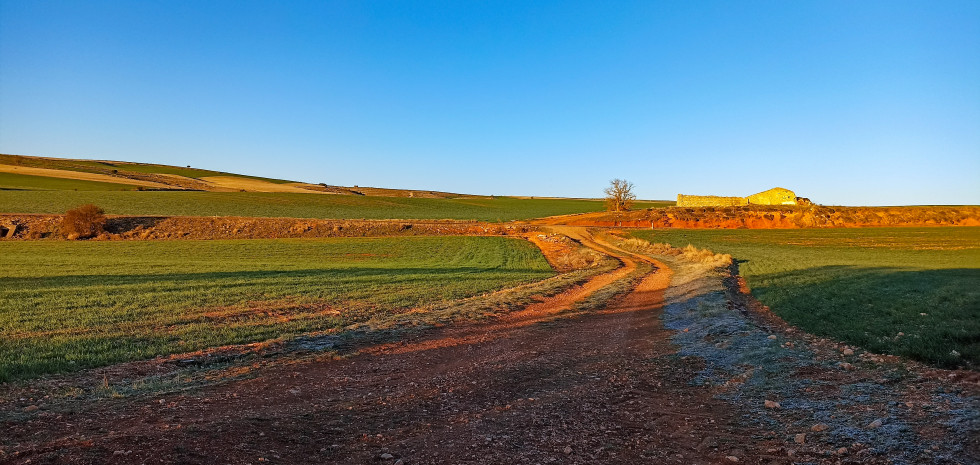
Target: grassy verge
(72,305)
(904,291)
(259,204)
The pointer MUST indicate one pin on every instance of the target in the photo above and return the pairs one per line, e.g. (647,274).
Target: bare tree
(619,195)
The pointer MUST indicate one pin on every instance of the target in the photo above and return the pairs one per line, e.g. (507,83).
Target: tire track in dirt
(539,385)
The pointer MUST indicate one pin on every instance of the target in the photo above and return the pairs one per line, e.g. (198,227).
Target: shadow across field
(929,315)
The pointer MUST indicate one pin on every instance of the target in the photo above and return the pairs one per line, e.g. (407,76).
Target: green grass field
(24,182)
(170,203)
(867,287)
(71,305)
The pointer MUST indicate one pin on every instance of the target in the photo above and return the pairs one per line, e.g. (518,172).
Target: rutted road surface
(548,384)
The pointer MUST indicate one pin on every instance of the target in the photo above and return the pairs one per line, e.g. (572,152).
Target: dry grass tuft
(641,246)
(705,256)
(579,259)
(690,253)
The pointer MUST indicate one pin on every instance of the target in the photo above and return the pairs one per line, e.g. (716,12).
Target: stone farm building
(774,196)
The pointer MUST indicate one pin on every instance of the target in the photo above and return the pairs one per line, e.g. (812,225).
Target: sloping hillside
(20,172)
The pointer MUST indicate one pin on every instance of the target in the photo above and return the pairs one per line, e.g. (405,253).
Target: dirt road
(548,384)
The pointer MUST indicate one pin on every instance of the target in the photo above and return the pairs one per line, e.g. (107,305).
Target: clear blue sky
(851,102)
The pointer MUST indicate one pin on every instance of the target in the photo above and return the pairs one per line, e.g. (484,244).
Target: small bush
(85,221)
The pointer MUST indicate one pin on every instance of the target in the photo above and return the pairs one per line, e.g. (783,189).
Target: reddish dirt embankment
(154,227)
(761,217)
(193,227)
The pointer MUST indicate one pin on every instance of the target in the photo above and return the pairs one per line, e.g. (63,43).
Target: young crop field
(71,305)
(905,291)
(258,204)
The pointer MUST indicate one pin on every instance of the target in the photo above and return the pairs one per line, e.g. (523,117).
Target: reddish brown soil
(775,217)
(149,227)
(532,387)
(191,227)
